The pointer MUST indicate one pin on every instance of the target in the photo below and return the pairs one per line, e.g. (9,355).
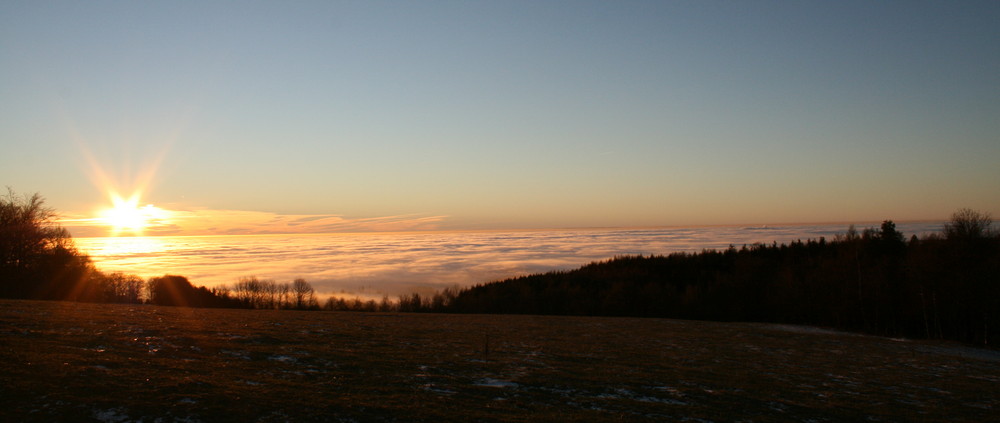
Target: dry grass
(113,363)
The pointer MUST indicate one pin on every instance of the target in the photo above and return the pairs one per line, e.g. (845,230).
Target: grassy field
(117,363)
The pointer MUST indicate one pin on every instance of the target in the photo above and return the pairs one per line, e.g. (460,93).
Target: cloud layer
(376,264)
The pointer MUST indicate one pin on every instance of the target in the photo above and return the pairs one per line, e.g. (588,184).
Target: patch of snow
(810,330)
(569,393)
(985,377)
(673,391)
(430,387)
(495,383)
(963,352)
(777,406)
(937,390)
(910,401)
(282,358)
(229,335)
(114,415)
(238,354)
(668,401)
(626,394)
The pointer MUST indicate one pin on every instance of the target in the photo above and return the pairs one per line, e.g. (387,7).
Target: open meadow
(62,361)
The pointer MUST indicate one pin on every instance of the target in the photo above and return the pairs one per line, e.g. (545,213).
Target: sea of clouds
(371,265)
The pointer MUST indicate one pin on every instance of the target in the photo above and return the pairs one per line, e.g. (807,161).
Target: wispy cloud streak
(196,222)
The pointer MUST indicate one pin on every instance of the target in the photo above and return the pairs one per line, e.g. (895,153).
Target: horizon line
(543,229)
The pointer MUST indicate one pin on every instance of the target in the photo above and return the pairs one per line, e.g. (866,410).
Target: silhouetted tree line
(248,292)
(251,292)
(412,303)
(173,290)
(941,286)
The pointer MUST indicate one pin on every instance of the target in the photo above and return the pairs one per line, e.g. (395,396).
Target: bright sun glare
(126,216)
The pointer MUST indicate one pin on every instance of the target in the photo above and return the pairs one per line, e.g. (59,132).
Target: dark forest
(942,286)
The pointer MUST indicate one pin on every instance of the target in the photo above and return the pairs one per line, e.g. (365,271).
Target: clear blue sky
(508,114)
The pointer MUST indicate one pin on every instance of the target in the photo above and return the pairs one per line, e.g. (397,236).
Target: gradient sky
(504,114)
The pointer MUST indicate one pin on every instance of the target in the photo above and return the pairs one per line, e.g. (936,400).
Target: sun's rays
(127,217)
(124,168)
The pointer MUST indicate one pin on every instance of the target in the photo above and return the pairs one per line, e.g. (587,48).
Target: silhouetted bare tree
(37,257)
(304,294)
(120,287)
(968,224)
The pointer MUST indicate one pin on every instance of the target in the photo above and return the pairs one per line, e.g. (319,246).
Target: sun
(126,216)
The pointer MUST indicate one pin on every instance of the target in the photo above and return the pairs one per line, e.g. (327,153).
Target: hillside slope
(66,361)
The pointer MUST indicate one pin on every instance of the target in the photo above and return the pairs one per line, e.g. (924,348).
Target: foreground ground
(114,363)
